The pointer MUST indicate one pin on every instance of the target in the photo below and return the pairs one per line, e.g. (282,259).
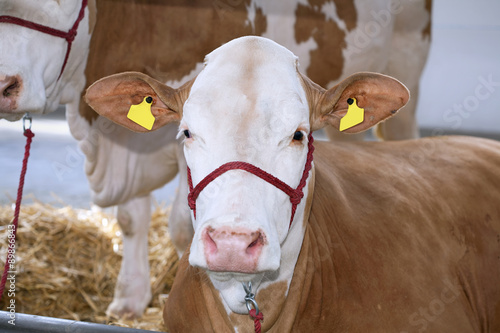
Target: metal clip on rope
(27,117)
(250,297)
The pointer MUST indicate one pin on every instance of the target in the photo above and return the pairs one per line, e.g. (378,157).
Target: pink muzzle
(295,195)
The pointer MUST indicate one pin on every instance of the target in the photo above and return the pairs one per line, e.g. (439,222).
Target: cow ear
(113,96)
(380,96)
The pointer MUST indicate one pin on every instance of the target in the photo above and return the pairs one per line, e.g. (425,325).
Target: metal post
(38,324)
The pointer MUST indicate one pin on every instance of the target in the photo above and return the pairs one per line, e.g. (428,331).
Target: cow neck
(69,35)
(295,195)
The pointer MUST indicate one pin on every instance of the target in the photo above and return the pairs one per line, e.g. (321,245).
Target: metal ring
(249,306)
(27,117)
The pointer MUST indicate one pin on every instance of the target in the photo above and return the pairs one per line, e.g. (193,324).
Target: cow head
(249,104)
(31,61)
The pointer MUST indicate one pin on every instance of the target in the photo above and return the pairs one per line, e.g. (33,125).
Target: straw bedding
(68,260)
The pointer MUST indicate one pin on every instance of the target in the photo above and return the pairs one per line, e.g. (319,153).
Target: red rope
(29,137)
(257,318)
(295,195)
(69,35)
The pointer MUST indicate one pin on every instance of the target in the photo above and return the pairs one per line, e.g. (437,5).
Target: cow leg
(133,290)
(409,48)
(180,227)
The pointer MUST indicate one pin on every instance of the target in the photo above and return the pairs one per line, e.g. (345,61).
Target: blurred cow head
(42,61)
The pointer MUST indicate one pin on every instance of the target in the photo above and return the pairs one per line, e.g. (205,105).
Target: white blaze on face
(246,105)
(31,61)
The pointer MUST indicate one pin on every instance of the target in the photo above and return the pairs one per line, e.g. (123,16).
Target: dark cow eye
(187,134)
(298,136)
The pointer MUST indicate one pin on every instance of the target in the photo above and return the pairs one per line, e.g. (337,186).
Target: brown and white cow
(168,39)
(43,52)
(380,241)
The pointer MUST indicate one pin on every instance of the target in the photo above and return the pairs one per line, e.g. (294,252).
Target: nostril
(256,238)
(208,241)
(10,86)
(256,244)
(10,89)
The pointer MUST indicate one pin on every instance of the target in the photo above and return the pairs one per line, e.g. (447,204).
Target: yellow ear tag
(141,113)
(355,115)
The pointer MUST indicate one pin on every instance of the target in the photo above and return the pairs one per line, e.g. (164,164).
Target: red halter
(295,195)
(69,35)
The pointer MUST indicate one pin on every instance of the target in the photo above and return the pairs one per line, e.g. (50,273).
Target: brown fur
(427,31)
(160,38)
(394,243)
(311,22)
(92,15)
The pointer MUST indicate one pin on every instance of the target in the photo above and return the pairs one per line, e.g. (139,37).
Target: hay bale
(68,260)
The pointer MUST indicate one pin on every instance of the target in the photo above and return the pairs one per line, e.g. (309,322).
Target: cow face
(246,105)
(249,104)
(31,61)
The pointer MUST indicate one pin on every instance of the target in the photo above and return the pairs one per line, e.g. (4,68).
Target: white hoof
(130,300)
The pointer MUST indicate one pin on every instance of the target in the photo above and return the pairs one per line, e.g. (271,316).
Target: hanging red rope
(257,318)
(29,137)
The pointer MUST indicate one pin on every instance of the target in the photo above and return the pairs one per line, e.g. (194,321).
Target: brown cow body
(392,245)
(386,237)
